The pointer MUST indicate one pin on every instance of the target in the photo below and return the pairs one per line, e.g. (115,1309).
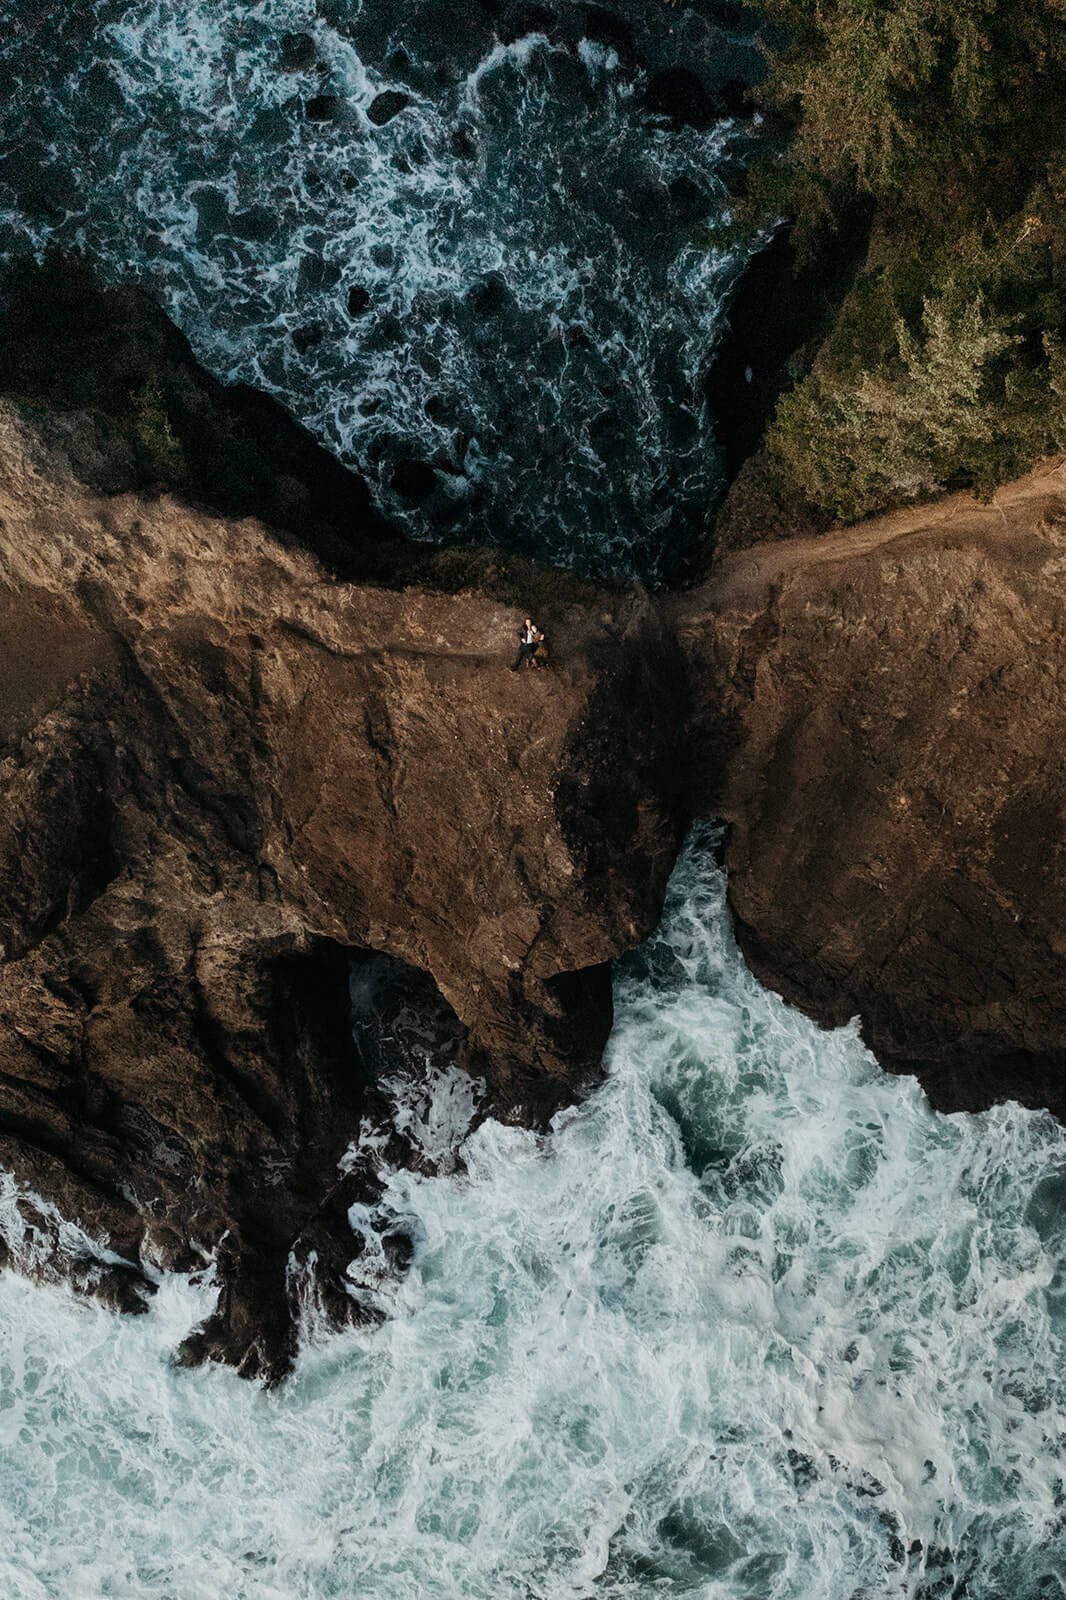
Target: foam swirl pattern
(751,1322)
(497,301)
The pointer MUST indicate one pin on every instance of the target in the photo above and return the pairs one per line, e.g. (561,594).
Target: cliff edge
(259,819)
(224,772)
(882,723)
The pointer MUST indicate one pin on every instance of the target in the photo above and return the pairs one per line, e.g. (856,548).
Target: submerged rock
(518,21)
(413,480)
(257,223)
(463,142)
(387,105)
(298,52)
(306,337)
(317,273)
(677,93)
(323,108)
(736,98)
(604,27)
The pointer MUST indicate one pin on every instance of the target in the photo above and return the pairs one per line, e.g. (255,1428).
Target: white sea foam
(752,1322)
(538,318)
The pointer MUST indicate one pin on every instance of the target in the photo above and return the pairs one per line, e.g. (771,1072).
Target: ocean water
(752,1322)
(499,304)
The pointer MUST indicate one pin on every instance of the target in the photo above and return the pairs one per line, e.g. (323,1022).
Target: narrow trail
(751,572)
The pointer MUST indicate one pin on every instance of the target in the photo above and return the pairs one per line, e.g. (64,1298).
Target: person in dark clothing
(529,637)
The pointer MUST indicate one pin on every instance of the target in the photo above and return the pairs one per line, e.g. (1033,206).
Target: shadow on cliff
(229,771)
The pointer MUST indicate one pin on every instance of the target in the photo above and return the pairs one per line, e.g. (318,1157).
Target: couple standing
(532,646)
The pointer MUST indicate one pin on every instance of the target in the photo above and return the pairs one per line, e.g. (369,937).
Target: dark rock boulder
(413,480)
(735,98)
(212,213)
(605,27)
(298,52)
(463,143)
(517,21)
(491,297)
(323,108)
(387,105)
(256,223)
(677,93)
(316,272)
(307,336)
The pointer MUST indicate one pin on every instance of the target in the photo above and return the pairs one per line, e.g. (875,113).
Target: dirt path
(756,568)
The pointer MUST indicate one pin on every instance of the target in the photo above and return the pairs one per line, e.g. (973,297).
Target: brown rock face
(884,720)
(221,772)
(235,788)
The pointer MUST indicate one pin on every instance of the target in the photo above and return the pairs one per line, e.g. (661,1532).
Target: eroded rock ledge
(222,771)
(225,771)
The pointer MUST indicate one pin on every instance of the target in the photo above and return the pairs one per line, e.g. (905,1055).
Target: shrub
(159,454)
(943,367)
(917,94)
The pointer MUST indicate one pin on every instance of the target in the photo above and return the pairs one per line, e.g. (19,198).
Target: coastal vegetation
(944,366)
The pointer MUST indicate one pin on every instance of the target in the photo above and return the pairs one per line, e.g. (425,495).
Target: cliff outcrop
(271,838)
(223,772)
(882,723)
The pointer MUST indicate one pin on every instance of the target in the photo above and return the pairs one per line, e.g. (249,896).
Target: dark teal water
(499,303)
(752,1323)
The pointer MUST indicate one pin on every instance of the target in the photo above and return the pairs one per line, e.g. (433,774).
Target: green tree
(943,367)
(894,93)
(858,446)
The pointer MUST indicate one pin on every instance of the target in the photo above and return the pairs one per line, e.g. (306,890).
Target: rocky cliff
(223,772)
(882,722)
(248,803)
